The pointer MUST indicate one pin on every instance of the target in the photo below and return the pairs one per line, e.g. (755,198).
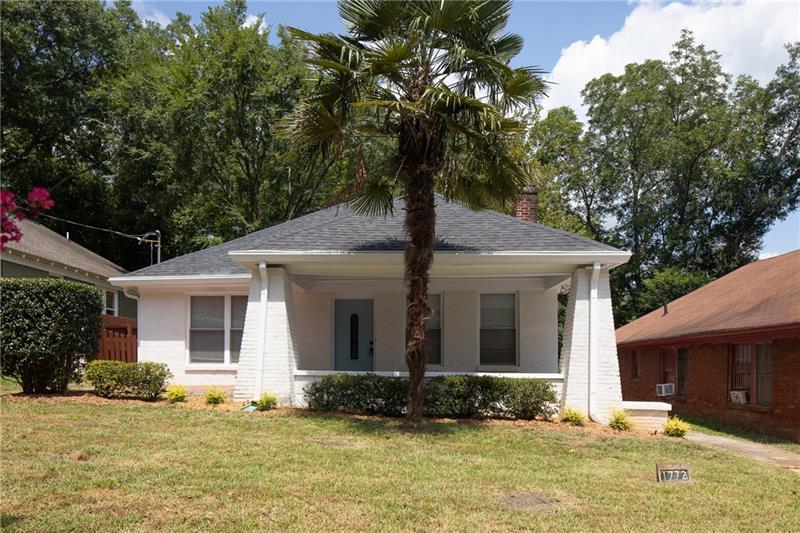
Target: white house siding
(314,324)
(162,339)
(538,331)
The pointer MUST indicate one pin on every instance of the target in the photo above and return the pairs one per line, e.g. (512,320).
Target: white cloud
(748,35)
(146,12)
(252,20)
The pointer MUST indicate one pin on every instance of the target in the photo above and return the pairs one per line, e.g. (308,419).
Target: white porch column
(267,359)
(589,362)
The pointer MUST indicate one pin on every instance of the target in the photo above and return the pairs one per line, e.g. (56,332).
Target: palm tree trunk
(420,222)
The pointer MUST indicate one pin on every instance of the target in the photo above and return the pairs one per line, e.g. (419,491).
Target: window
(751,372)
(433,331)
(111,303)
(683,355)
(764,374)
(215,329)
(636,372)
(498,332)
(667,366)
(238,309)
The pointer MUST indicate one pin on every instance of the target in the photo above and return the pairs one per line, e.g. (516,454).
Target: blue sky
(576,41)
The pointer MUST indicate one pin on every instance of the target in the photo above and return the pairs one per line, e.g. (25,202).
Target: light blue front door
(353,334)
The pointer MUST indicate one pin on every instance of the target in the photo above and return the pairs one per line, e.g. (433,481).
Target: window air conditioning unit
(665,389)
(739,397)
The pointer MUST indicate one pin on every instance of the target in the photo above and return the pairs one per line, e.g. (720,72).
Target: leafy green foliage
(675,427)
(678,163)
(266,402)
(620,421)
(146,380)
(572,417)
(445,396)
(176,393)
(668,284)
(215,396)
(49,328)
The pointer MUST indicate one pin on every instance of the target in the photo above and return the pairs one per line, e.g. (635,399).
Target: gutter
(593,339)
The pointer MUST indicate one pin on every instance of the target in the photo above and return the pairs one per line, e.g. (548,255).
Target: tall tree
(434,78)
(679,163)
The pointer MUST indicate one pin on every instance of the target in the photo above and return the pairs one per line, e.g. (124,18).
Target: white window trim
(498,368)
(226,364)
(115,309)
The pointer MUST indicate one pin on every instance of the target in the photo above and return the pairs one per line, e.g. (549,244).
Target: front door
(353,334)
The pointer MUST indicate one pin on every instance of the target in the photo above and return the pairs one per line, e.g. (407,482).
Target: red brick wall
(707,386)
(527,206)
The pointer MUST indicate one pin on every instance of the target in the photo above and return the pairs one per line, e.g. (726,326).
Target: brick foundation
(707,386)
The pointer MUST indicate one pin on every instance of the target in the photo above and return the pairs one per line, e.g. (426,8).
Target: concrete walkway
(760,452)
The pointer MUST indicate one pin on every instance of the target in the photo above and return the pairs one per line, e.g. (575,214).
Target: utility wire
(115,232)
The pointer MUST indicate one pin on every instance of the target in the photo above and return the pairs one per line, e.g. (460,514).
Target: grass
(713,427)
(80,463)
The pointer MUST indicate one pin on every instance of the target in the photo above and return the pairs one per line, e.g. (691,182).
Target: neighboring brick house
(731,349)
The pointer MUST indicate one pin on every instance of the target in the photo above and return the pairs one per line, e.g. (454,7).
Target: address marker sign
(673,473)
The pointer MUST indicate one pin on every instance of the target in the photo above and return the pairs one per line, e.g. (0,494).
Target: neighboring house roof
(339,229)
(39,241)
(763,294)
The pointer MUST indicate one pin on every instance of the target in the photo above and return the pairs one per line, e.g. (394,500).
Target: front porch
(316,315)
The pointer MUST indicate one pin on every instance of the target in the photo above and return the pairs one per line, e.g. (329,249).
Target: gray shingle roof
(340,229)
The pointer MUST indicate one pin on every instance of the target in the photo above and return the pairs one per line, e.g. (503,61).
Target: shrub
(266,402)
(50,327)
(445,396)
(215,396)
(176,393)
(530,398)
(146,380)
(620,421)
(675,427)
(573,417)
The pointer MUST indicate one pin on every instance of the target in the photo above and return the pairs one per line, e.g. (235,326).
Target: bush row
(49,328)
(146,380)
(445,396)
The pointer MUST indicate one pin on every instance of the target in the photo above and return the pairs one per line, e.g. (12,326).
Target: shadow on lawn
(378,425)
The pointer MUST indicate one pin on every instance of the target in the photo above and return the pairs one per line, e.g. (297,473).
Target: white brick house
(281,307)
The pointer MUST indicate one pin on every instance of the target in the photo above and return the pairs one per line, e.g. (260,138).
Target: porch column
(267,358)
(589,362)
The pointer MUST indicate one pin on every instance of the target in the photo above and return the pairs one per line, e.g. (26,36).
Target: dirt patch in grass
(530,501)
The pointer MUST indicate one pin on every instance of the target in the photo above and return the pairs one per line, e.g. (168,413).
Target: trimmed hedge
(445,396)
(48,329)
(145,380)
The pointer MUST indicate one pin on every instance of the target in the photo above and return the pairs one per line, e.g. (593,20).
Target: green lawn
(713,427)
(73,464)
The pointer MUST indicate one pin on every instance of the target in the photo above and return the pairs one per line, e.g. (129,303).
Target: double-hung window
(636,371)
(751,372)
(110,303)
(216,327)
(498,331)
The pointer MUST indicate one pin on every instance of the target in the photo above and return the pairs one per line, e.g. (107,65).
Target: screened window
(498,332)
(216,327)
(433,333)
(636,372)
(667,366)
(764,374)
(683,355)
(751,371)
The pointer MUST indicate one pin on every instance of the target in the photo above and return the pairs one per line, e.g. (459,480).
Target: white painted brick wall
(279,350)
(248,355)
(575,350)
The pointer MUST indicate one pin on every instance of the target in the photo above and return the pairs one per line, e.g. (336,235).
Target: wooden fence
(118,339)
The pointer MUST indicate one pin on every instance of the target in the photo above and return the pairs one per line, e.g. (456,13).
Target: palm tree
(432,77)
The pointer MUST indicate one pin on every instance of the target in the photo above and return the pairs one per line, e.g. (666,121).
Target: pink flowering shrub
(10,212)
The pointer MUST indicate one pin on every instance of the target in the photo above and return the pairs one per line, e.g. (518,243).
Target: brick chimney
(527,206)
